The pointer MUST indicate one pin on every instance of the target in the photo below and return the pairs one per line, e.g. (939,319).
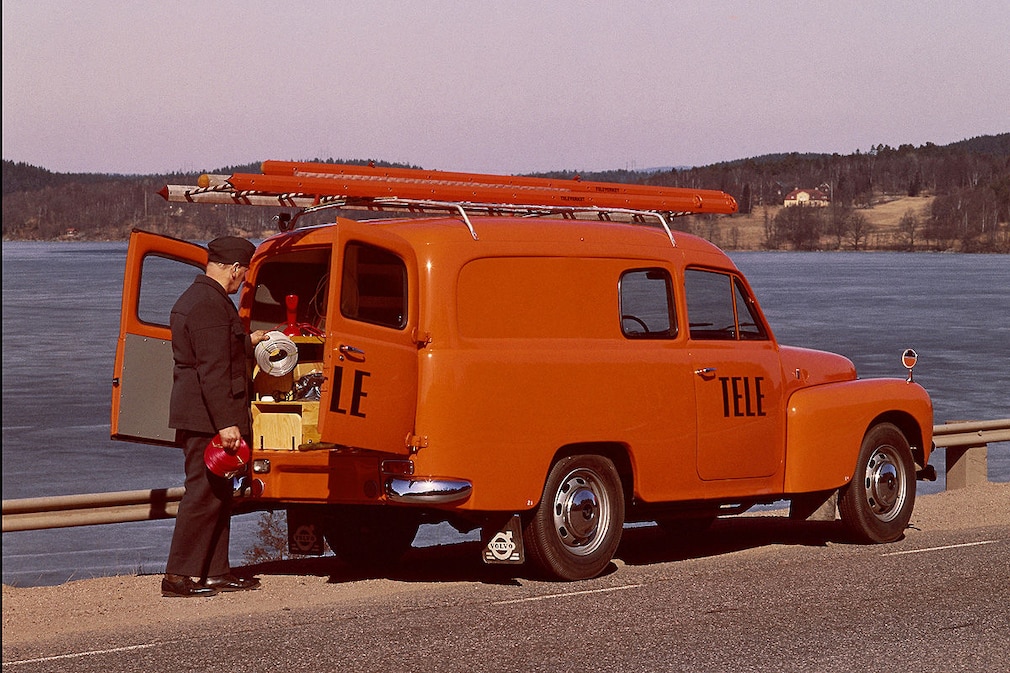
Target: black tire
(369,537)
(575,530)
(877,504)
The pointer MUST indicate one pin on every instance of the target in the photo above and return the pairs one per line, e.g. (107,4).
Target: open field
(747,231)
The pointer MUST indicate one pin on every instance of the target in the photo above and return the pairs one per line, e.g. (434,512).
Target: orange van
(503,362)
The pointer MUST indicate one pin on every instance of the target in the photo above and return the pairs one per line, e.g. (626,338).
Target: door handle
(351,353)
(705,371)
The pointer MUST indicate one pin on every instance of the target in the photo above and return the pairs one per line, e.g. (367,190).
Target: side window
(647,305)
(373,286)
(750,326)
(718,307)
(162,281)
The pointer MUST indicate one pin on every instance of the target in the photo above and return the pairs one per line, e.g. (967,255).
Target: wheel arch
(910,428)
(576,527)
(617,452)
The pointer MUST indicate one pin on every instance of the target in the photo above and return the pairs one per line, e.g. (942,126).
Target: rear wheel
(575,530)
(371,536)
(877,505)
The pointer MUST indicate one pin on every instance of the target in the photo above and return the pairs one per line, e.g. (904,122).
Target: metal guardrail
(971,433)
(162,503)
(65,511)
(967,449)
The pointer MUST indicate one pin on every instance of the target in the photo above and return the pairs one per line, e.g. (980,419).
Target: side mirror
(908,359)
(283,221)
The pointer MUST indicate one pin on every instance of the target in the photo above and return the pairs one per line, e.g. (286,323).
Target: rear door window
(374,286)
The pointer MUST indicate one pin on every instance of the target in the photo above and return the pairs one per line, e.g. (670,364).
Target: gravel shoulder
(122,603)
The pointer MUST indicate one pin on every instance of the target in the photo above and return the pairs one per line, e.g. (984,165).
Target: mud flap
(305,534)
(506,545)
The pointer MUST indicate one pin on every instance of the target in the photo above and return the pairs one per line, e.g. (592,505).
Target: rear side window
(373,286)
(647,305)
(718,307)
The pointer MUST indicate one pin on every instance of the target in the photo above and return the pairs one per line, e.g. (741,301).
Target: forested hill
(967,182)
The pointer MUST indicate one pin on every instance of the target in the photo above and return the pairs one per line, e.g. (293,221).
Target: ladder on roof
(310,186)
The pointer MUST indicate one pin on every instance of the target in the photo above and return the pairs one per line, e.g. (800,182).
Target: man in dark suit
(210,396)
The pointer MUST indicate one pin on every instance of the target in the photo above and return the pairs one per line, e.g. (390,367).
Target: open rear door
(158,270)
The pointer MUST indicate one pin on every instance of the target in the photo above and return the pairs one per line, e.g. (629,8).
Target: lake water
(60,323)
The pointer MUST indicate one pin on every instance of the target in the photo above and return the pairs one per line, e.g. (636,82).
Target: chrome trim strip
(428,491)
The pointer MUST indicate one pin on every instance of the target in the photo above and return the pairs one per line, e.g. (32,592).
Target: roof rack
(316,186)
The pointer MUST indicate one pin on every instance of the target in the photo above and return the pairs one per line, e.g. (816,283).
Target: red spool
(224,462)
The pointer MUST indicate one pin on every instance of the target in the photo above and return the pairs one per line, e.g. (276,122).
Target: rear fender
(826,425)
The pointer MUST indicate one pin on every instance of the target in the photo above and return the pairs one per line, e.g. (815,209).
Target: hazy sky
(506,87)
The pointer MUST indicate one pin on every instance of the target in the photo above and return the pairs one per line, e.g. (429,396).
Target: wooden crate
(284,425)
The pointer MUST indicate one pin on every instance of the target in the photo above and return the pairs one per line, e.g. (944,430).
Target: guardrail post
(967,445)
(967,466)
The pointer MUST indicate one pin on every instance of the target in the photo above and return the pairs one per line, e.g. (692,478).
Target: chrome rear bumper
(427,491)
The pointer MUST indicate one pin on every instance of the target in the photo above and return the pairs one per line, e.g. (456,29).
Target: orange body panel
(827,424)
(330,476)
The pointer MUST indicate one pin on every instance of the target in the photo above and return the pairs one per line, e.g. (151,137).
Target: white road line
(80,655)
(571,593)
(949,546)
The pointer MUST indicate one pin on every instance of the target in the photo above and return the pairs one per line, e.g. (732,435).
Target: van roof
(526,235)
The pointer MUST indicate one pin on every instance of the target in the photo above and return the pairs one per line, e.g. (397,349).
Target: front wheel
(877,505)
(575,530)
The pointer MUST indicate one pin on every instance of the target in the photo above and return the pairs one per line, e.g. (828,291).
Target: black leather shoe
(230,582)
(180,586)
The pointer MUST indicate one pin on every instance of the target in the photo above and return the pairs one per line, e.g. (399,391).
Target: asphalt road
(750,595)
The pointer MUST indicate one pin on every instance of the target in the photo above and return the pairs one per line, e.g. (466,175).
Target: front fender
(826,425)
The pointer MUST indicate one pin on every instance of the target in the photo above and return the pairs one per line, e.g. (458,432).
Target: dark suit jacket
(211,381)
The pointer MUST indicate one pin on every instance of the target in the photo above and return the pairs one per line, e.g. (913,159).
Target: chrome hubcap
(885,483)
(581,511)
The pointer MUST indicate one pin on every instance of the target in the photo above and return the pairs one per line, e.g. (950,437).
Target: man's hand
(231,438)
(258,336)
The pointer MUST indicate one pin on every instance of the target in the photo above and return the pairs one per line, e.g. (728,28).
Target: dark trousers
(202,526)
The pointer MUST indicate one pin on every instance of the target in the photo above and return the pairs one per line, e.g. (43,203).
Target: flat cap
(230,249)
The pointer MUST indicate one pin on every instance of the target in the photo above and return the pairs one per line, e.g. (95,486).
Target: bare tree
(838,223)
(734,237)
(859,230)
(801,226)
(908,227)
(771,235)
